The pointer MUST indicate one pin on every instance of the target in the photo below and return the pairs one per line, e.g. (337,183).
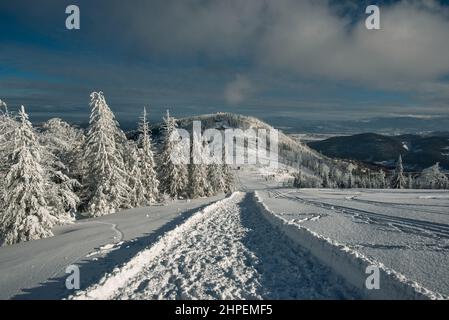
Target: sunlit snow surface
(36,269)
(407,231)
(236,249)
(227,251)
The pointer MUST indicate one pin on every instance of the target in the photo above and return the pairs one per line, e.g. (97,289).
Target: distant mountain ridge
(389,125)
(418,151)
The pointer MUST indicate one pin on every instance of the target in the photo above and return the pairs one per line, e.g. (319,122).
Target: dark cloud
(298,56)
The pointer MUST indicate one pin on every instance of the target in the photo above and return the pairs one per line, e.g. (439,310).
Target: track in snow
(226,251)
(407,225)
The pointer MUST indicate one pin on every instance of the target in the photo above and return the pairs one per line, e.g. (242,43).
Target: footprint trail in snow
(226,251)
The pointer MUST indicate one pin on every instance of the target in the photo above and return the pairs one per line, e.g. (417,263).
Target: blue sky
(287,58)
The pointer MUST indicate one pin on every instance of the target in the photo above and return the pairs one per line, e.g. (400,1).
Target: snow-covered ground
(36,269)
(227,251)
(265,241)
(405,233)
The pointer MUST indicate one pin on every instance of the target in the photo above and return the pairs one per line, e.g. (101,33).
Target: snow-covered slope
(289,149)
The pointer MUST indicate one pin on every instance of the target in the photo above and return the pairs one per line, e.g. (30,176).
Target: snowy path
(226,251)
(36,269)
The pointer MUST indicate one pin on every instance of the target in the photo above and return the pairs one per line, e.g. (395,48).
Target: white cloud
(305,37)
(310,39)
(298,46)
(238,90)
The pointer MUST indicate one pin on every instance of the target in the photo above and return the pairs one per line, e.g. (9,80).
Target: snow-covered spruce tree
(369,180)
(432,178)
(147,164)
(60,188)
(7,127)
(410,181)
(173,174)
(228,176)
(326,183)
(61,155)
(106,183)
(349,180)
(398,179)
(27,214)
(216,179)
(298,179)
(137,190)
(66,142)
(198,177)
(381,180)
(362,182)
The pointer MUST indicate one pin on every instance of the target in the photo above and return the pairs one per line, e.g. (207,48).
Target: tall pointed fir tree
(107,185)
(228,175)
(137,190)
(213,151)
(27,215)
(198,178)
(398,179)
(147,164)
(216,179)
(173,173)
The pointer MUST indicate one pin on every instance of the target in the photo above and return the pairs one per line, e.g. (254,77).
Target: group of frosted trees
(429,178)
(55,174)
(33,188)
(339,174)
(350,175)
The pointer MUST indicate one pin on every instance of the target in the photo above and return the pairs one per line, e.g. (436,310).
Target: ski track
(413,207)
(407,225)
(226,251)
